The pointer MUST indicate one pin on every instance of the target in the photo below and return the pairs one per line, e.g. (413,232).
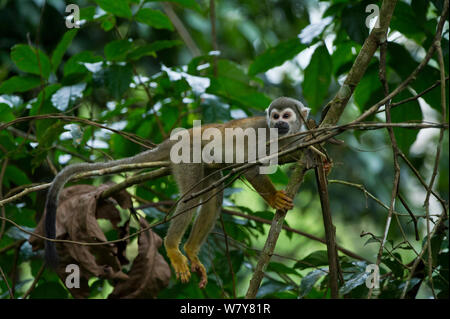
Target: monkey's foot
(197,267)
(282,201)
(180,264)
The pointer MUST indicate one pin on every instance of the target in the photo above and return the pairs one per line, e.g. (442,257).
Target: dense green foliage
(128,68)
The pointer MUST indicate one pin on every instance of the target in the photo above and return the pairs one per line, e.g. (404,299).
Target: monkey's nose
(282,127)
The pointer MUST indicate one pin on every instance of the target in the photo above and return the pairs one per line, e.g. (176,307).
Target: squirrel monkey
(284,114)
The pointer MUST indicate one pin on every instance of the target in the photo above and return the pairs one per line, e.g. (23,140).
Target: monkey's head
(287,114)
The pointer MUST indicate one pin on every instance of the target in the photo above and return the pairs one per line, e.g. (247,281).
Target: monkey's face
(287,115)
(285,120)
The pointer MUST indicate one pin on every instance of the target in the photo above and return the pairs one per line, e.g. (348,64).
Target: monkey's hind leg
(203,225)
(186,175)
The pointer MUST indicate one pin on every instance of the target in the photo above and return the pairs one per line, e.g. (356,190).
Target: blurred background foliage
(128,61)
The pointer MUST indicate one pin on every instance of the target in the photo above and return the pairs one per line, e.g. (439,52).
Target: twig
(58,147)
(111,170)
(131,137)
(330,230)
(436,161)
(2,175)
(395,152)
(275,228)
(212,17)
(35,281)
(413,217)
(137,179)
(181,29)
(227,250)
(358,69)
(415,97)
(296,231)
(11,294)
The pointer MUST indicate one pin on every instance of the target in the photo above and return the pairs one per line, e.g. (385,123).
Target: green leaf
(16,176)
(150,49)
(393,264)
(271,287)
(310,280)
(118,50)
(317,78)
(87,13)
(239,92)
(67,95)
(276,56)
(355,281)
(118,79)
(154,18)
(19,84)
(369,90)
(353,21)
(317,258)
(408,22)
(75,63)
(25,58)
(281,268)
(6,114)
(119,8)
(407,112)
(190,4)
(108,22)
(343,58)
(61,48)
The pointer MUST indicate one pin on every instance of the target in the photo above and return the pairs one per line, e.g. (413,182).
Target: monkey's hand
(280,200)
(197,266)
(179,263)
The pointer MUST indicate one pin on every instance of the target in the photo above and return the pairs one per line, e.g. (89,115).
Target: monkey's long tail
(51,204)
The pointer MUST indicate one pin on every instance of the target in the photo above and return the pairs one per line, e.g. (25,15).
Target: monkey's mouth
(282,127)
(283,131)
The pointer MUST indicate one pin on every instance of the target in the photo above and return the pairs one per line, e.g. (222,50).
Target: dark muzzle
(282,127)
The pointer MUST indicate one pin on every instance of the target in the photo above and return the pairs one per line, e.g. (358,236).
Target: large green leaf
(75,63)
(317,78)
(118,50)
(150,49)
(276,56)
(405,113)
(310,280)
(353,21)
(61,48)
(239,92)
(26,59)
(154,18)
(316,258)
(408,21)
(19,84)
(5,113)
(356,280)
(119,8)
(369,90)
(117,79)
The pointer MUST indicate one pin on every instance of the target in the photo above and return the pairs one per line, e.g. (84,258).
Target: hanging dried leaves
(78,210)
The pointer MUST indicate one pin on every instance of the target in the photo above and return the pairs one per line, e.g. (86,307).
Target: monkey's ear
(305,112)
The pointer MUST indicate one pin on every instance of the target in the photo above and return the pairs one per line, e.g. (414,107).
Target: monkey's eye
(276,116)
(286,115)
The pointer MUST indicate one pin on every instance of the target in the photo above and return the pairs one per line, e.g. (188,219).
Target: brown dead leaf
(78,210)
